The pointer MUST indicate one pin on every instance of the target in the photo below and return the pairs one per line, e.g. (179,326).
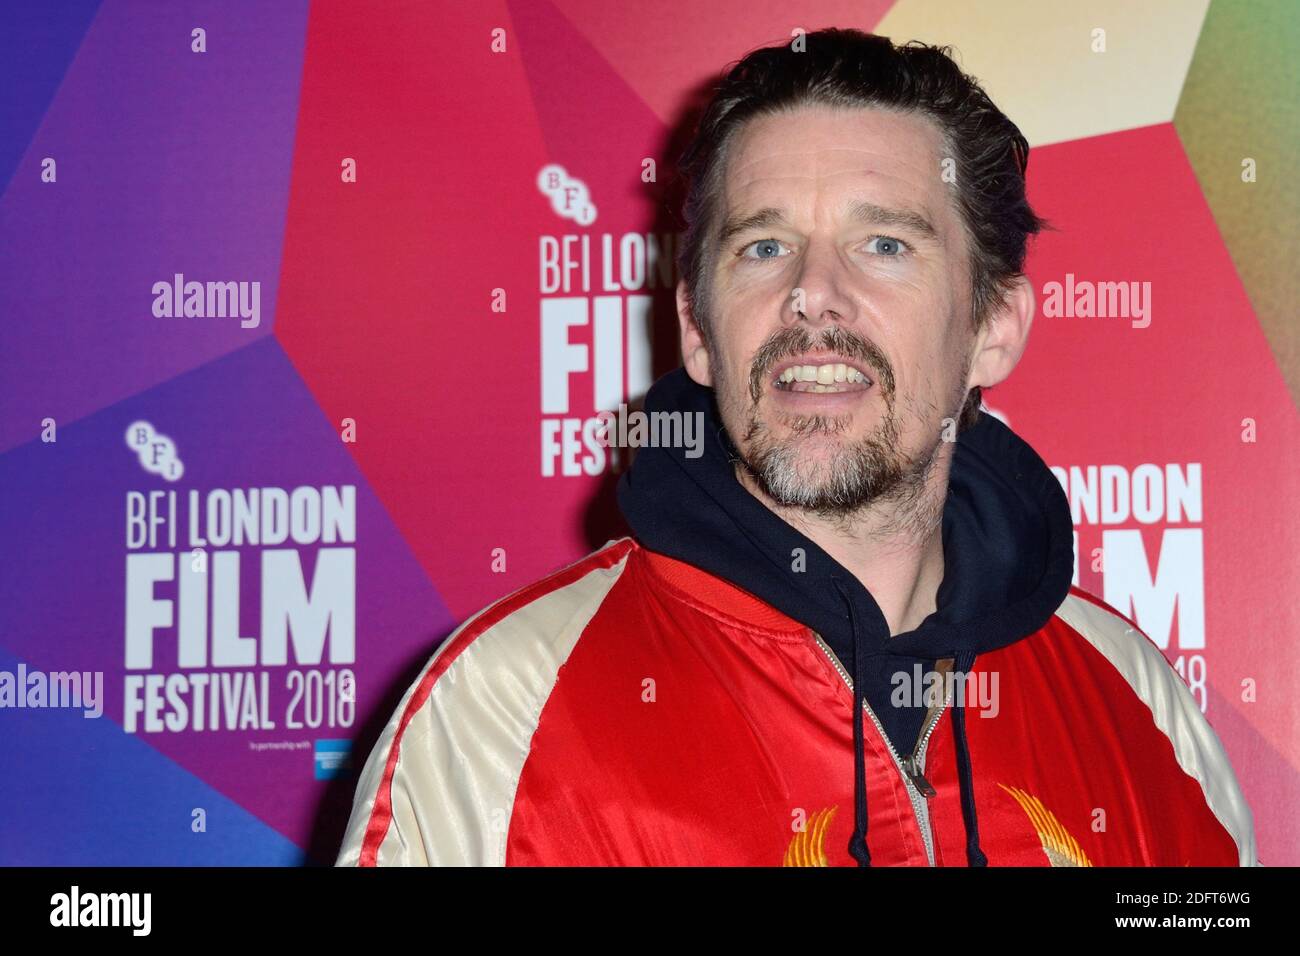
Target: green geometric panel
(1241,101)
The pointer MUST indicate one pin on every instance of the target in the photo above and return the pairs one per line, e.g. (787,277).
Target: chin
(794,473)
(818,437)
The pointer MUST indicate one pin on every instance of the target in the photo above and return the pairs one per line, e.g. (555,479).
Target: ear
(695,355)
(1001,343)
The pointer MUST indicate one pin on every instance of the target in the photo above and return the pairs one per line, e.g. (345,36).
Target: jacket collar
(721,597)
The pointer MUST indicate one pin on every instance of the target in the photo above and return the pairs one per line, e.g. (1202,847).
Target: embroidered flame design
(808,847)
(1061,848)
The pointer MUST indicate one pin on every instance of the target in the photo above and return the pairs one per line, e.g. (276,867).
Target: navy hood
(1008,563)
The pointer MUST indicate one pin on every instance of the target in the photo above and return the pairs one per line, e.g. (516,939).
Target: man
(856,538)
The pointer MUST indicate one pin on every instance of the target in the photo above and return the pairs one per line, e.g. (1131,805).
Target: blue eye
(770,244)
(886,246)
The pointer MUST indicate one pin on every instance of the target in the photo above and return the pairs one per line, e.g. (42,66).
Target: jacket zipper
(912,768)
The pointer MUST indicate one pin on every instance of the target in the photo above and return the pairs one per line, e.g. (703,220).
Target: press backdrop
(440,238)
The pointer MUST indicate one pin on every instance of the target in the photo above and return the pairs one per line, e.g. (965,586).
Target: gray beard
(860,474)
(867,472)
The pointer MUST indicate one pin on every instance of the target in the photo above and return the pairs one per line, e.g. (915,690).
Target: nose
(818,298)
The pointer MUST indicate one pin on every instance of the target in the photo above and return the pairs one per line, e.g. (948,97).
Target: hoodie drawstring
(974,855)
(858,842)
(965,661)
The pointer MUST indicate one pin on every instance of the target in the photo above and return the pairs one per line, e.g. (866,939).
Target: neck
(893,546)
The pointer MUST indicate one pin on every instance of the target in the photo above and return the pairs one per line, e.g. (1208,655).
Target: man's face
(839,319)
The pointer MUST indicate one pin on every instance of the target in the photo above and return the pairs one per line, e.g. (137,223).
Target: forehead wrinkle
(884,163)
(854,210)
(927,137)
(855,207)
(740,177)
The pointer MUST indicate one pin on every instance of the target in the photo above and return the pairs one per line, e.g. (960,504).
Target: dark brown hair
(849,68)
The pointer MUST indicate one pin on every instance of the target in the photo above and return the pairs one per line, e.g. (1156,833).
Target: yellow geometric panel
(1037,61)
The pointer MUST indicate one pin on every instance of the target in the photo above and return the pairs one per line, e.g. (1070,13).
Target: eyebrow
(860,211)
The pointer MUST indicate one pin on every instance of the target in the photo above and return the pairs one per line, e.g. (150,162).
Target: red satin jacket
(633,709)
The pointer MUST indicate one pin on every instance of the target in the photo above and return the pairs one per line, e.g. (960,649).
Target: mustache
(796,339)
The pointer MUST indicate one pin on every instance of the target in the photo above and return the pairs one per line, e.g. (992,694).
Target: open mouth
(798,375)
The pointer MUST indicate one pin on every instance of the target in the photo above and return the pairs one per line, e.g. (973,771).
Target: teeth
(823,375)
